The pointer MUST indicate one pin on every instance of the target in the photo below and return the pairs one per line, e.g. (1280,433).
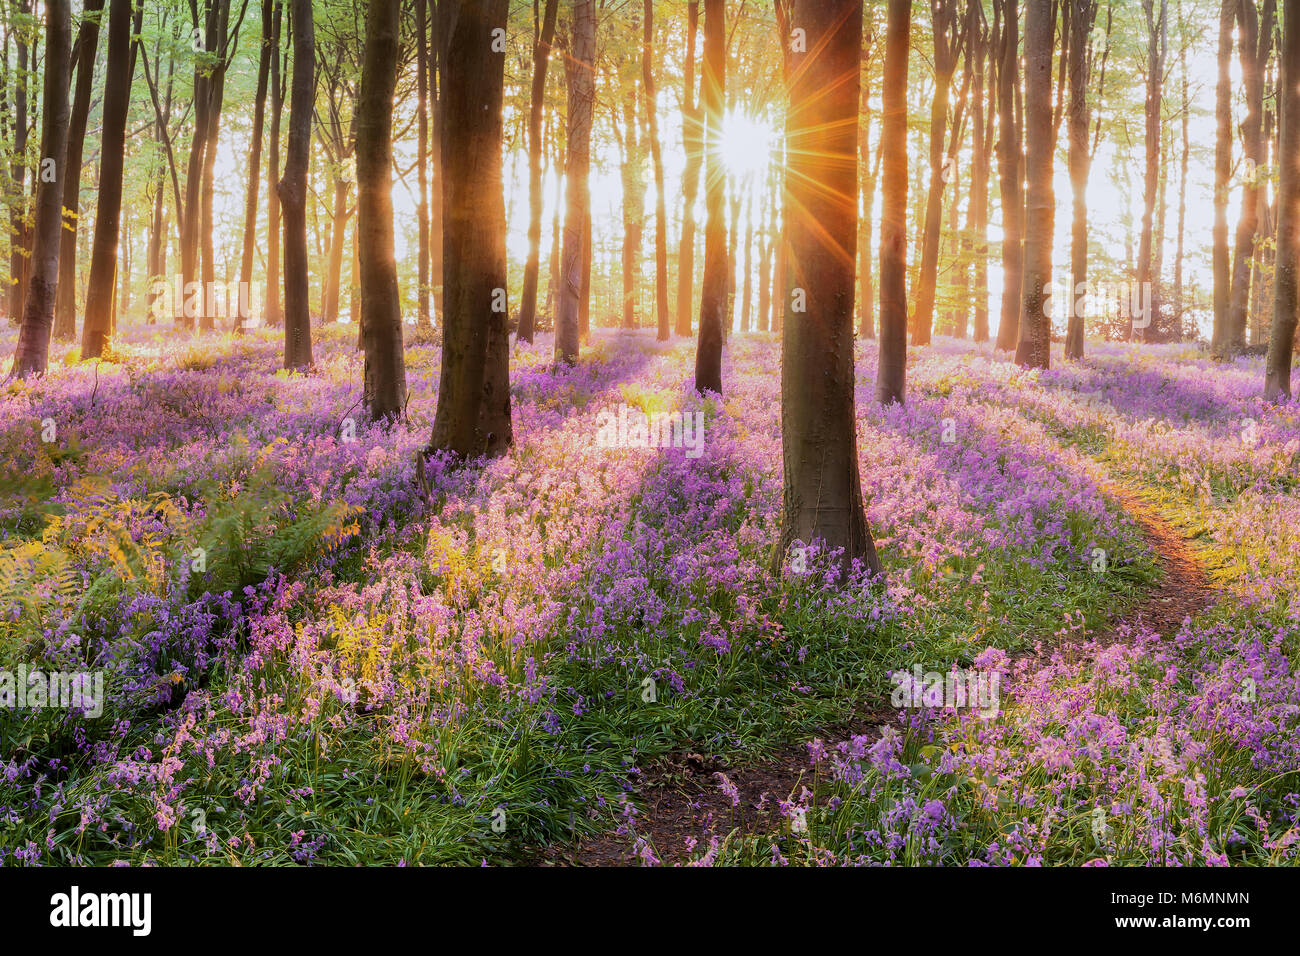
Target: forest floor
(578,653)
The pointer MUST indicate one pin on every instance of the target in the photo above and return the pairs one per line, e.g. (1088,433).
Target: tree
(274,314)
(713,296)
(1083,15)
(86,48)
(541,58)
(384,376)
(693,146)
(292,189)
(1286,294)
(948,41)
(580,78)
(982,123)
(1035,345)
(421,160)
(1220,341)
(822,493)
(1010,172)
(19,261)
(31,355)
(1147,277)
(892,374)
(657,160)
(103,257)
(267,53)
(473,416)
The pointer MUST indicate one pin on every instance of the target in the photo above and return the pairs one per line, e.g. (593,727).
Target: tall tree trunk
(977,214)
(339,217)
(267,53)
(580,78)
(103,257)
(1146,279)
(292,189)
(473,416)
(1255,37)
(18,253)
(693,143)
(384,377)
(866,186)
(822,492)
(633,201)
(31,355)
(1010,174)
(947,48)
(216,95)
(1083,16)
(422,161)
(87,47)
(1182,189)
(541,60)
(713,297)
(657,160)
(157,254)
(747,267)
(274,313)
(1034,347)
(892,374)
(1286,296)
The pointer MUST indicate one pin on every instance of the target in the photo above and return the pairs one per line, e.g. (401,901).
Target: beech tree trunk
(693,144)
(657,161)
(473,416)
(1286,295)
(1035,345)
(292,190)
(713,297)
(31,355)
(580,79)
(892,374)
(384,377)
(1082,17)
(267,53)
(822,493)
(1010,173)
(18,233)
(103,257)
(87,47)
(274,313)
(541,60)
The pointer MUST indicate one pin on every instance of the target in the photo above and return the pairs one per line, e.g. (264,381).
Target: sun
(747,144)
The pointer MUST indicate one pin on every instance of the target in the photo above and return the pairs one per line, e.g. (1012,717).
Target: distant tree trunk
(657,160)
(422,162)
(1182,185)
(713,298)
(947,36)
(580,78)
(274,314)
(334,261)
(766,248)
(1035,344)
(892,375)
(87,47)
(1010,174)
(867,186)
(384,376)
(157,252)
(473,416)
(1151,182)
(31,355)
(693,140)
(1286,296)
(822,493)
(541,59)
(633,202)
(103,257)
(267,53)
(1082,17)
(1255,38)
(441,20)
(977,215)
(747,268)
(18,253)
(293,190)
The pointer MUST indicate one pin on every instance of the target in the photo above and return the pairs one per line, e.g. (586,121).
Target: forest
(649,432)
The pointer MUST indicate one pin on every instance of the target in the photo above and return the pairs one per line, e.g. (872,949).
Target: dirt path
(683,797)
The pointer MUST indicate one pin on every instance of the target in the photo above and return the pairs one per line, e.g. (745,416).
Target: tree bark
(713,296)
(1034,347)
(1286,296)
(1010,174)
(292,190)
(1222,262)
(274,313)
(541,60)
(473,416)
(1082,17)
(31,355)
(580,78)
(384,376)
(86,49)
(693,144)
(103,257)
(657,160)
(18,233)
(892,374)
(266,54)
(822,492)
